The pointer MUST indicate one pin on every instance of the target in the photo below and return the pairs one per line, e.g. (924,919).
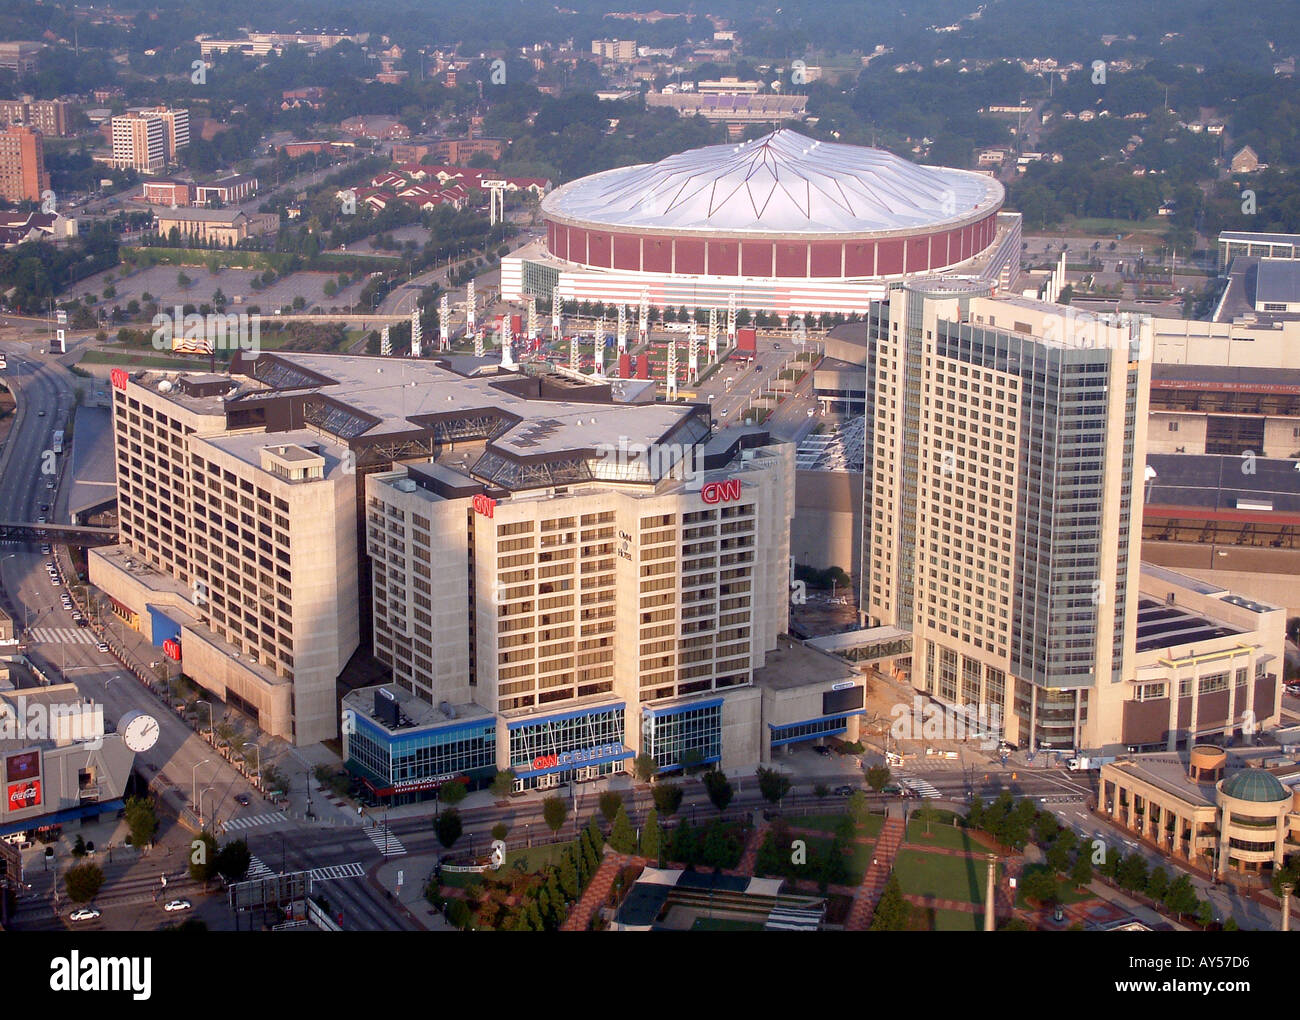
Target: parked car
(84,914)
(823,750)
(844,791)
(177,905)
(102,646)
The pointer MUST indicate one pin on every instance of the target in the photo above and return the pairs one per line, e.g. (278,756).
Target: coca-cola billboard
(24,795)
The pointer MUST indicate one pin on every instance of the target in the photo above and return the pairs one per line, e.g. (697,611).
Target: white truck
(1086,764)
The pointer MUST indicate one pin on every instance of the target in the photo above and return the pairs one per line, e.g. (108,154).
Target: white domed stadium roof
(782,183)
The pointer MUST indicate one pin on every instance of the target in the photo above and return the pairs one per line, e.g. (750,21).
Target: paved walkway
(873,883)
(749,859)
(596,895)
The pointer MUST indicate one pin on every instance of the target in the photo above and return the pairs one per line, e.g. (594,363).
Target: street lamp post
(211,724)
(202,817)
(194,781)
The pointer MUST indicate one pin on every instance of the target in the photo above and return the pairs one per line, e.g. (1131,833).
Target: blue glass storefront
(811,729)
(583,744)
(678,730)
(411,765)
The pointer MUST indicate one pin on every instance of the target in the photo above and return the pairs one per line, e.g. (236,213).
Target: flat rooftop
(1165,626)
(416,712)
(1168,772)
(792,664)
(1217,482)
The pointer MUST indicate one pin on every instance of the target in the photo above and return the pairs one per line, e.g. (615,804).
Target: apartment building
(139,143)
(49,116)
(23,176)
(241,541)
(149,138)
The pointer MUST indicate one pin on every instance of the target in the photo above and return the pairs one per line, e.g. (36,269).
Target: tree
(684,847)
(644,767)
(1205,913)
(892,911)
(858,807)
(1081,873)
(79,847)
(622,837)
(595,836)
(203,858)
(555,810)
(821,791)
(568,876)
(651,836)
(500,831)
(458,914)
(83,882)
(1040,885)
(668,798)
(141,821)
(691,759)
(503,784)
(878,777)
(610,803)
(1158,884)
(773,785)
(452,793)
(448,827)
(233,860)
(1180,897)
(719,790)
(1132,873)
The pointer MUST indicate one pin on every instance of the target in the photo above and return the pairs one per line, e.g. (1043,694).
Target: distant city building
(215,226)
(146,140)
(1245,161)
(621,50)
(20,57)
(23,176)
(371,126)
(48,116)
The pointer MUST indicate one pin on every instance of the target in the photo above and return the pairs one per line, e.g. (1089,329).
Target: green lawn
(1103,225)
(942,834)
(142,361)
(859,861)
(949,878)
(951,920)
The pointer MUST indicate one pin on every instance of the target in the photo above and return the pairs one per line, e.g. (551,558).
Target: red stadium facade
(782,223)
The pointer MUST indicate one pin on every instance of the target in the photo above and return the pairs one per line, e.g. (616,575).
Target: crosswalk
(256,869)
(336,871)
(385,842)
(921,786)
(64,636)
(254,821)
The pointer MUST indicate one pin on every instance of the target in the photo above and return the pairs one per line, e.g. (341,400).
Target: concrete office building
(236,542)
(23,177)
(614,606)
(1004,439)
(1206,808)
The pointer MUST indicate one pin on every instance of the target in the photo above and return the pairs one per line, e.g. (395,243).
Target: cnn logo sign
(721,492)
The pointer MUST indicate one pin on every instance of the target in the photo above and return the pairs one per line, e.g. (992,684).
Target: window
(1173,426)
